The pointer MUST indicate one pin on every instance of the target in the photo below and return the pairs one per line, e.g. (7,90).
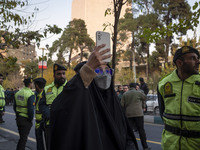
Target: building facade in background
(23,53)
(93,13)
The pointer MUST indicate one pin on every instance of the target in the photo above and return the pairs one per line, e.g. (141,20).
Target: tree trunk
(69,59)
(117,10)
(167,48)
(147,66)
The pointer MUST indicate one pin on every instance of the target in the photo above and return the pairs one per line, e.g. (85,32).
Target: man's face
(125,88)
(1,80)
(120,88)
(190,63)
(59,77)
(36,88)
(31,85)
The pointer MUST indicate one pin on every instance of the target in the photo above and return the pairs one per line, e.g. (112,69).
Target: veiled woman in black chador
(87,114)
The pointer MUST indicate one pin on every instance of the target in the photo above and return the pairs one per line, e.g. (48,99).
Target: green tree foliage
(127,29)
(70,72)
(74,38)
(153,82)
(9,66)
(133,26)
(8,14)
(168,12)
(169,67)
(174,15)
(125,76)
(31,69)
(154,60)
(10,70)
(12,18)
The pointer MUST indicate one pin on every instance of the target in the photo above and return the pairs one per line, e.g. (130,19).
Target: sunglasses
(100,71)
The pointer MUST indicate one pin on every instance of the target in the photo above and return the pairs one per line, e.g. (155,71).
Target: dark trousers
(39,138)
(47,139)
(1,116)
(24,127)
(139,123)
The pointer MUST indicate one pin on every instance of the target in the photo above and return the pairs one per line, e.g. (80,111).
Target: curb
(153,119)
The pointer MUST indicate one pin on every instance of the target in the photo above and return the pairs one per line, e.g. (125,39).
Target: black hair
(40,85)
(132,85)
(180,58)
(26,84)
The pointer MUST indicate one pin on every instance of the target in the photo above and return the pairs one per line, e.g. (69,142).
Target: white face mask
(103,81)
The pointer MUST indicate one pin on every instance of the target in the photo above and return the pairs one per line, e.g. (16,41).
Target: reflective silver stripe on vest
(181,117)
(2,98)
(20,97)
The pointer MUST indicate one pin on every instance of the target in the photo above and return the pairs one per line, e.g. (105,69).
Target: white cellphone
(103,38)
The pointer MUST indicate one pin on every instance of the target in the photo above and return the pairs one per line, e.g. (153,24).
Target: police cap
(28,80)
(57,67)
(184,50)
(40,81)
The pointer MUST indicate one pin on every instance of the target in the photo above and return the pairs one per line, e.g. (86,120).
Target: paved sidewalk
(8,144)
(153,119)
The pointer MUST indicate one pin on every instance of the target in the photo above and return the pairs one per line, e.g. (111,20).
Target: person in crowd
(39,123)
(7,95)
(179,102)
(144,105)
(117,92)
(87,114)
(120,90)
(51,92)
(143,86)
(125,88)
(132,104)
(12,96)
(16,90)
(2,100)
(24,109)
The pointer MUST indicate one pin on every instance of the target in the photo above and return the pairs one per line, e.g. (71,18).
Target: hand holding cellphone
(103,38)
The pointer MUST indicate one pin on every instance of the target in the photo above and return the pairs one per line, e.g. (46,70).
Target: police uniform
(179,103)
(39,123)
(51,92)
(24,109)
(2,103)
